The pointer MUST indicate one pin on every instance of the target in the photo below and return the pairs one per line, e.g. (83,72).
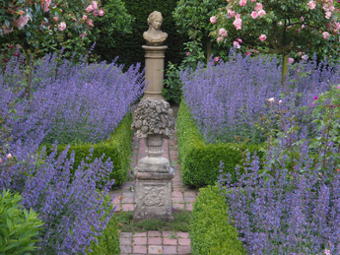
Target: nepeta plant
(290,203)
(229,100)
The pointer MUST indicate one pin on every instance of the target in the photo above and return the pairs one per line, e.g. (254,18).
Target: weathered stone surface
(153,117)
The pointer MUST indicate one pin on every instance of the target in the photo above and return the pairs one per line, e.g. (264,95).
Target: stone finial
(154,35)
(153,117)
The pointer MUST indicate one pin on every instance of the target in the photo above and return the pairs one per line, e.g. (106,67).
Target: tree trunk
(284,70)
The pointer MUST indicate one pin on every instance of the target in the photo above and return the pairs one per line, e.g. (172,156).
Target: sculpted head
(155,20)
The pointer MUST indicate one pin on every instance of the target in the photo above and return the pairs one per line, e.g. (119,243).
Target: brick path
(155,242)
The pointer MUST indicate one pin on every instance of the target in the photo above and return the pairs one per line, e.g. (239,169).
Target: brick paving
(155,242)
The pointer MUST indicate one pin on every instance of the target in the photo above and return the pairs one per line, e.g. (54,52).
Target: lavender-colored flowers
(231,100)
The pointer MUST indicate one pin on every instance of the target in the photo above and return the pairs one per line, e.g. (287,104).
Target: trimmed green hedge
(200,161)
(211,232)
(118,147)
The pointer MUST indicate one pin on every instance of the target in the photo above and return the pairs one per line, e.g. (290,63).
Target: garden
(255,85)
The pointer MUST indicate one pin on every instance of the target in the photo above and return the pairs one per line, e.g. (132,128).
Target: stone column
(153,183)
(154,70)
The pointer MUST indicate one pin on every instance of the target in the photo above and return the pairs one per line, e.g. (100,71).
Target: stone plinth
(154,70)
(153,176)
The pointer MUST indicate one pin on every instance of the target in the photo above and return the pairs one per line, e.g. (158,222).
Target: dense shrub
(238,99)
(200,161)
(208,234)
(117,148)
(19,228)
(289,204)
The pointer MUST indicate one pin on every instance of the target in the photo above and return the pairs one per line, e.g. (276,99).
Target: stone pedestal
(154,71)
(153,176)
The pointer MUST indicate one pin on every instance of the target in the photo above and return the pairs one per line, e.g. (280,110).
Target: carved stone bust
(154,35)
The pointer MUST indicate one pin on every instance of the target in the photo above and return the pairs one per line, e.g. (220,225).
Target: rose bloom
(89,8)
(325,35)
(56,18)
(239,40)
(253,14)
(258,7)
(62,26)
(263,37)
(311,5)
(101,12)
(236,45)
(84,17)
(222,32)
(243,2)
(9,156)
(231,13)
(89,22)
(188,53)
(213,19)
(21,21)
(290,60)
(219,39)
(216,59)
(261,13)
(238,22)
(94,5)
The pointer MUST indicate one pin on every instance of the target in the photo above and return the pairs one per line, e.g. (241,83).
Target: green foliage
(211,232)
(200,161)
(19,228)
(115,23)
(129,46)
(117,148)
(180,222)
(108,242)
(172,91)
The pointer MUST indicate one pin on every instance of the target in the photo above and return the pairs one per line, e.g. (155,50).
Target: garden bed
(200,162)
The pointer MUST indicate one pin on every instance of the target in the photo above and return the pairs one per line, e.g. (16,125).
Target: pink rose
(90,22)
(231,13)
(253,14)
(337,27)
(84,17)
(9,156)
(253,1)
(213,19)
(311,5)
(325,35)
(21,21)
(328,14)
(248,53)
(219,39)
(237,23)
(55,18)
(216,59)
(89,8)
(258,7)
(45,4)
(243,2)
(291,60)
(236,44)
(261,13)
(239,40)
(188,53)
(95,13)
(222,32)
(101,12)
(94,5)
(262,37)
(62,26)
(315,98)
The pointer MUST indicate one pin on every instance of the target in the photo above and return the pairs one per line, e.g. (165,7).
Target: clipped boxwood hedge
(118,147)
(211,233)
(200,161)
